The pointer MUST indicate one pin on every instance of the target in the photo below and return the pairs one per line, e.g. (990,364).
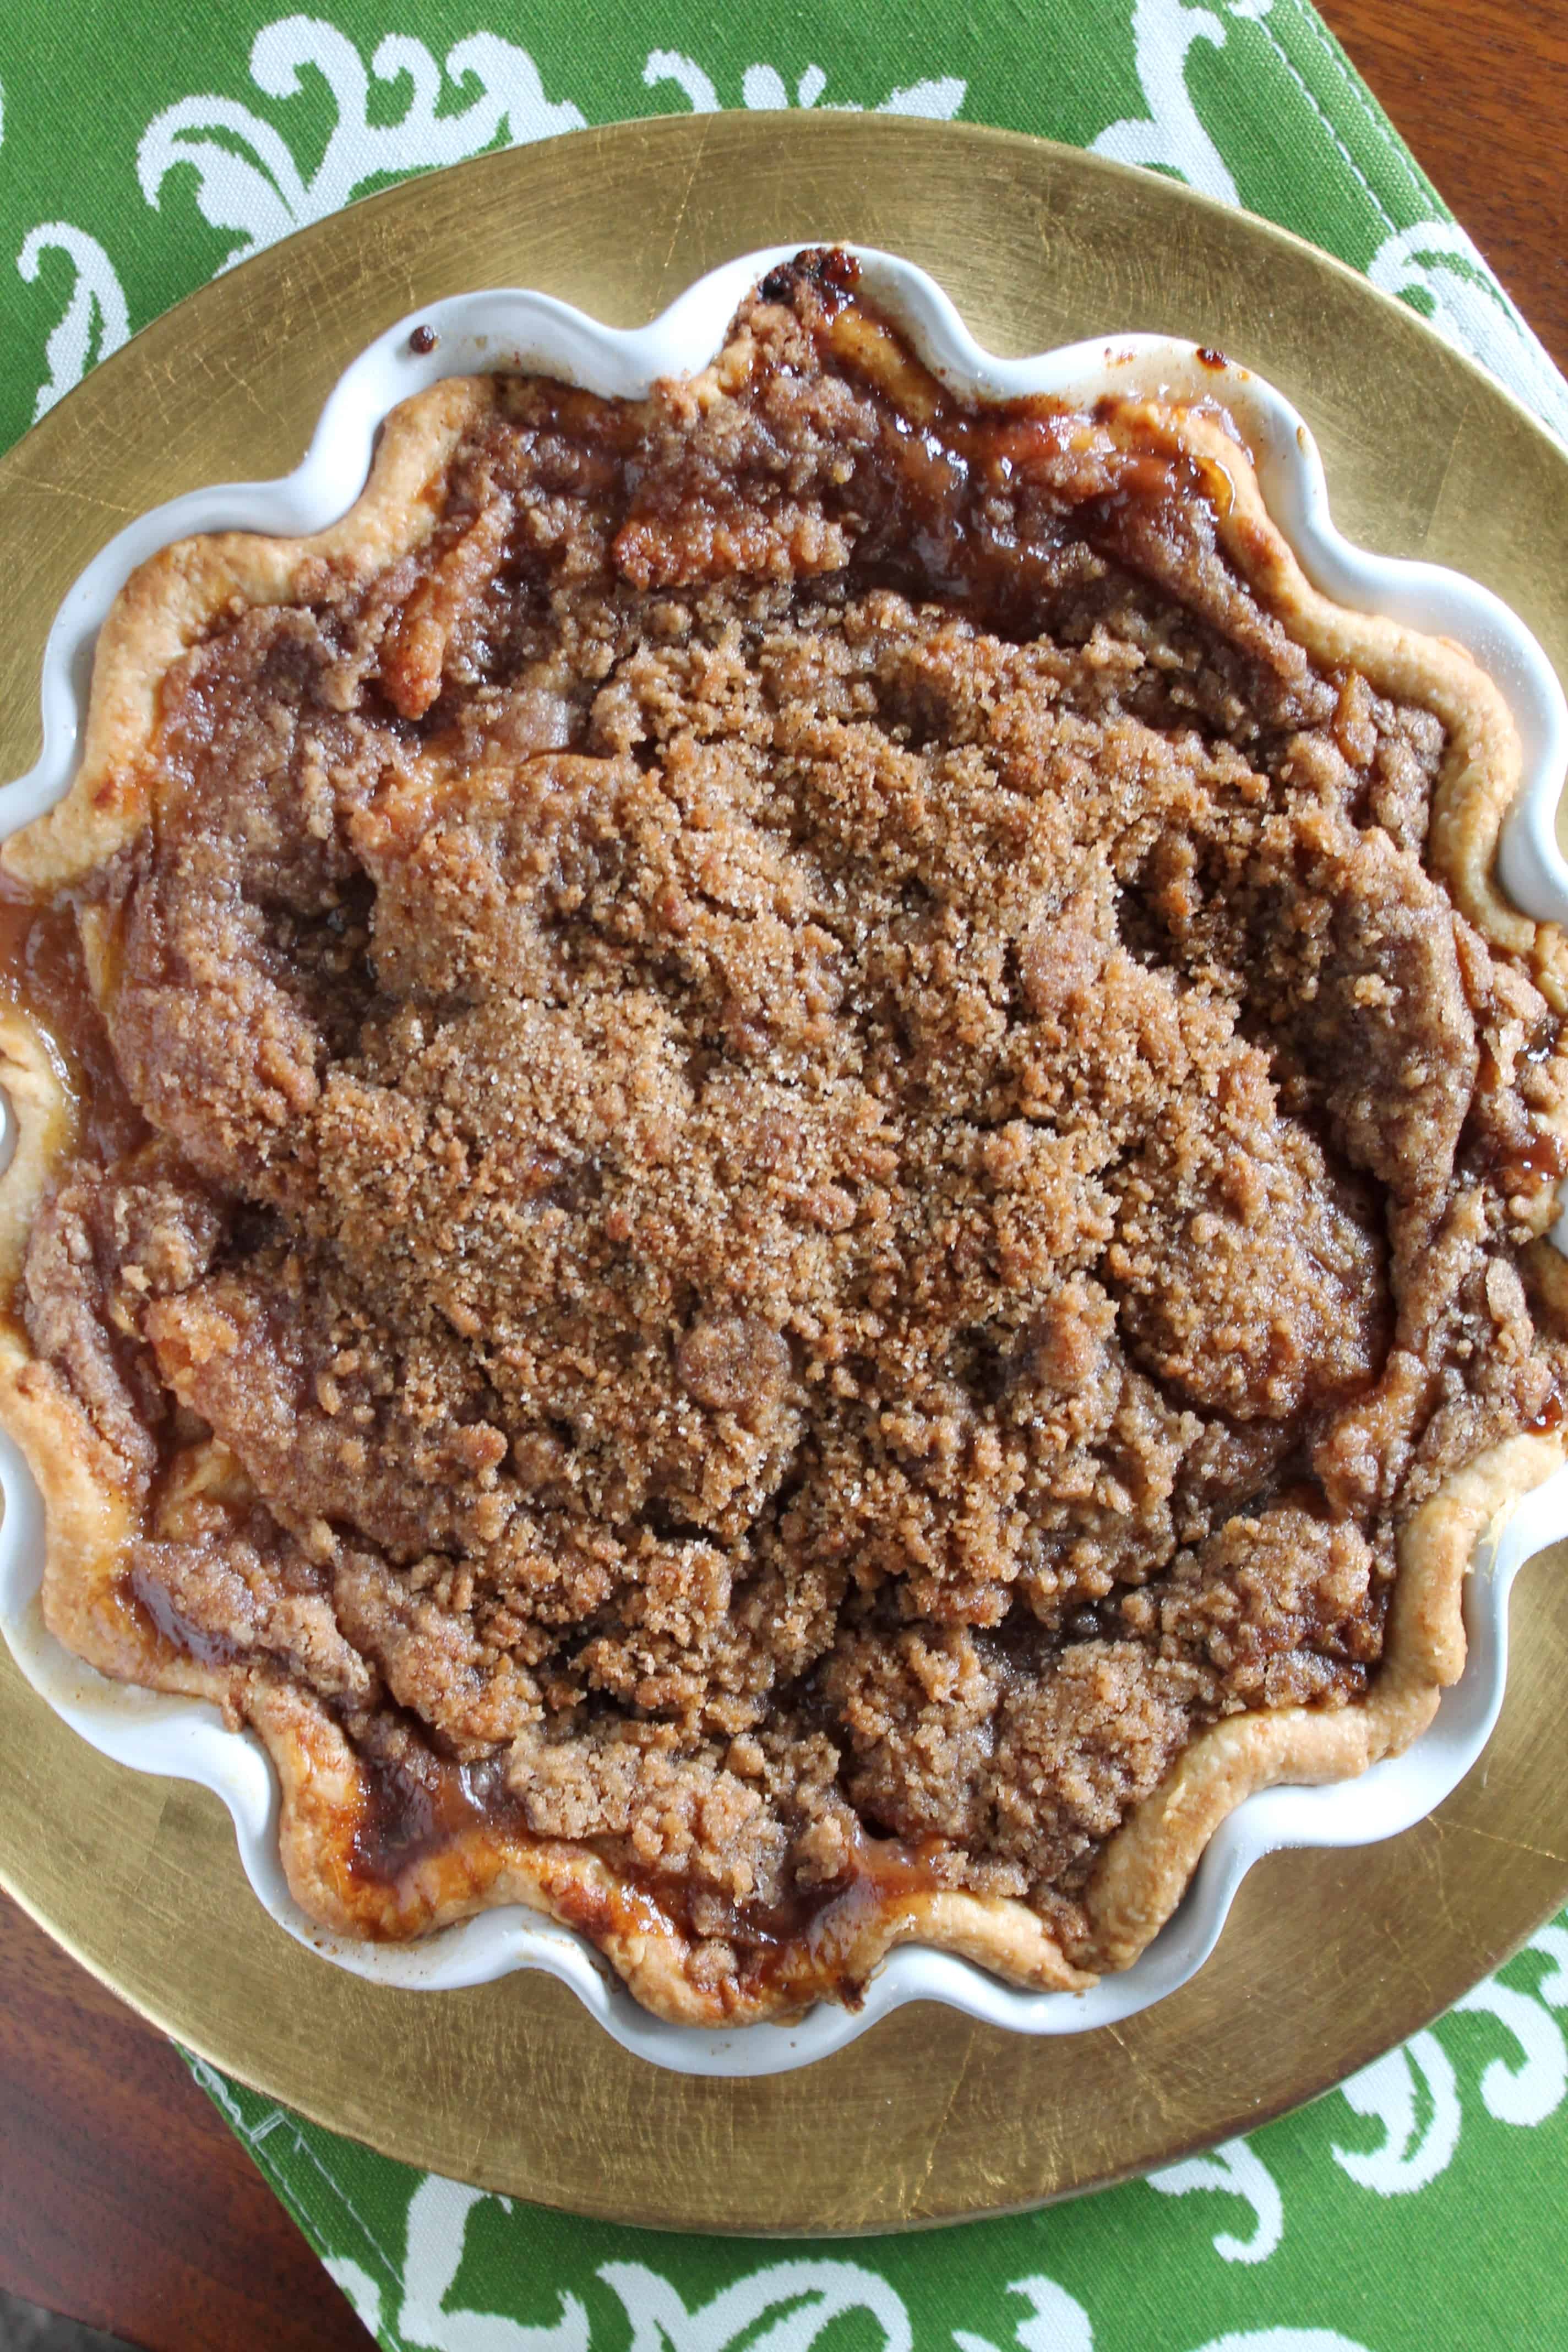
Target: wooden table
(123,2199)
(1480,93)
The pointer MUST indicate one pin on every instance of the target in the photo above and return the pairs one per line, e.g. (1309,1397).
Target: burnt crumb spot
(834,274)
(831,266)
(423,340)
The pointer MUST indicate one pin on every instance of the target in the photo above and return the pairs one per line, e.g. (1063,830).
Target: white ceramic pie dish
(185,1738)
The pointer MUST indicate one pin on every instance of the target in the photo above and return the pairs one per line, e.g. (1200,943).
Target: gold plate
(1328,1957)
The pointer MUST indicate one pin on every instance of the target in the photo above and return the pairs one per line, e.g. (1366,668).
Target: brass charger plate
(1328,1957)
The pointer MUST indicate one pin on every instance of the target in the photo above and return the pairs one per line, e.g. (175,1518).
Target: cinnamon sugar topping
(824,1168)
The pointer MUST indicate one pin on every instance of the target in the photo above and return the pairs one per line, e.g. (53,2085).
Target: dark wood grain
(124,2200)
(1479,92)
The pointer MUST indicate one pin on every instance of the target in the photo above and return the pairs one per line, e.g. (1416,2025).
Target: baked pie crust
(121,816)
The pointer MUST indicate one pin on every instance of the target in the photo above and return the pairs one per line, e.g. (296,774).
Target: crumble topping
(819,1165)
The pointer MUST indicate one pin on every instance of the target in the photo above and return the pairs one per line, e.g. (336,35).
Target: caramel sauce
(406,1817)
(1545,1156)
(43,970)
(919,529)
(807,1947)
(150,1604)
(805,1944)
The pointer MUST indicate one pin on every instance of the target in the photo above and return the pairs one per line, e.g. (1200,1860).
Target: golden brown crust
(322,1783)
(1146,1865)
(1481,765)
(170,601)
(89,1517)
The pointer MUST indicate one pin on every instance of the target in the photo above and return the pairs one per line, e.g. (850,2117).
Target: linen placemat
(1419,2206)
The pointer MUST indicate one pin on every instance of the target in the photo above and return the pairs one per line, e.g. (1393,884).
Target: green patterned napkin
(143,148)
(1419,2208)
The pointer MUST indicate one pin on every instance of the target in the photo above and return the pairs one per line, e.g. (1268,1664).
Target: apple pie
(781,1165)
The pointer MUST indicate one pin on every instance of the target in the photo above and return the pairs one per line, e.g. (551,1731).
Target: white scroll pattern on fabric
(763,88)
(1419,2081)
(1412,2152)
(94,322)
(1057,2322)
(1235,2166)
(438,2218)
(1464,301)
(359,2286)
(1172,137)
(247,181)
(807,2296)
(1434,260)
(1414,2093)
(790,2305)
(263,195)
(785,2306)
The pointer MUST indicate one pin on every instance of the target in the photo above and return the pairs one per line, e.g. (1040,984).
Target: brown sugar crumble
(803,1164)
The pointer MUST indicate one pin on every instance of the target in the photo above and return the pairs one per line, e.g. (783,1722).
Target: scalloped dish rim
(504,329)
